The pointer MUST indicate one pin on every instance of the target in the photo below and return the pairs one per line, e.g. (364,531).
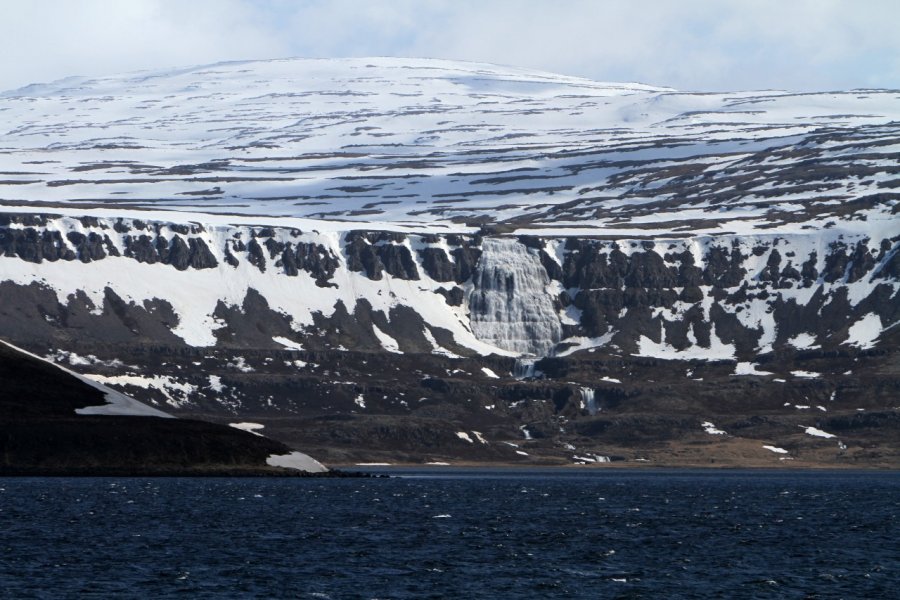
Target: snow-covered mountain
(405,239)
(428,142)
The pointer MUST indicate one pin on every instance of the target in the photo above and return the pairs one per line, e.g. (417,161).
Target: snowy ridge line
(114,232)
(117,402)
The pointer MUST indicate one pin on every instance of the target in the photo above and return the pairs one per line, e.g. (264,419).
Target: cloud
(689,44)
(45,39)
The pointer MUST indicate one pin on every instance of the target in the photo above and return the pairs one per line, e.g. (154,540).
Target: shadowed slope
(40,432)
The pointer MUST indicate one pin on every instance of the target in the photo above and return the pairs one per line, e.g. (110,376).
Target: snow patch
(711,429)
(435,347)
(803,341)
(749,368)
(248,427)
(215,384)
(806,374)
(817,432)
(591,458)
(176,392)
(240,363)
(489,373)
(296,460)
(290,344)
(717,349)
(864,332)
(387,342)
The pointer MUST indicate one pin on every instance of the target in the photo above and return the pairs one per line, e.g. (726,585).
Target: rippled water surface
(466,534)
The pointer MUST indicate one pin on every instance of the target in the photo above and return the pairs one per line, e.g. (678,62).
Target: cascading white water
(508,303)
(588,401)
(524,368)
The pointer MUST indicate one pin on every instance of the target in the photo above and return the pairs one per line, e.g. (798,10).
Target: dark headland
(41,434)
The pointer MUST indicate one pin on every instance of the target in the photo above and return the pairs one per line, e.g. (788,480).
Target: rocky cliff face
(413,336)
(458,261)
(196,285)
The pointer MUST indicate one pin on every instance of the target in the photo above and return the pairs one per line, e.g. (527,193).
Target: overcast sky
(687,44)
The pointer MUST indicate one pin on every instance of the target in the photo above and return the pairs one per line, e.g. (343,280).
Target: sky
(702,45)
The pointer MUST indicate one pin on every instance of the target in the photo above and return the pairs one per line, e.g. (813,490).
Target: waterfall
(588,401)
(508,303)
(524,368)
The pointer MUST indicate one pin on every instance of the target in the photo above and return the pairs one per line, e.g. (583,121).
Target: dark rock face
(32,314)
(312,258)
(253,324)
(458,266)
(625,292)
(91,247)
(34,246)
(437,265)
(255,255)
(454,296)
(377,253)
(193,254)
(26,239)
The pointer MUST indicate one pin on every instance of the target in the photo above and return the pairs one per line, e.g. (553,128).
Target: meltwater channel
(562,533)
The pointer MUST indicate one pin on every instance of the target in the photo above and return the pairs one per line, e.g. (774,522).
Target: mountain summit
(435,142)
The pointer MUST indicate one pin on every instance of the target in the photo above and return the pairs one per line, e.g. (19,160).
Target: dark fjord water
(456,534)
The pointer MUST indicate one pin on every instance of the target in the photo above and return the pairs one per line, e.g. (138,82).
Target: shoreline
(616,466)
(378,471)
(243,473)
